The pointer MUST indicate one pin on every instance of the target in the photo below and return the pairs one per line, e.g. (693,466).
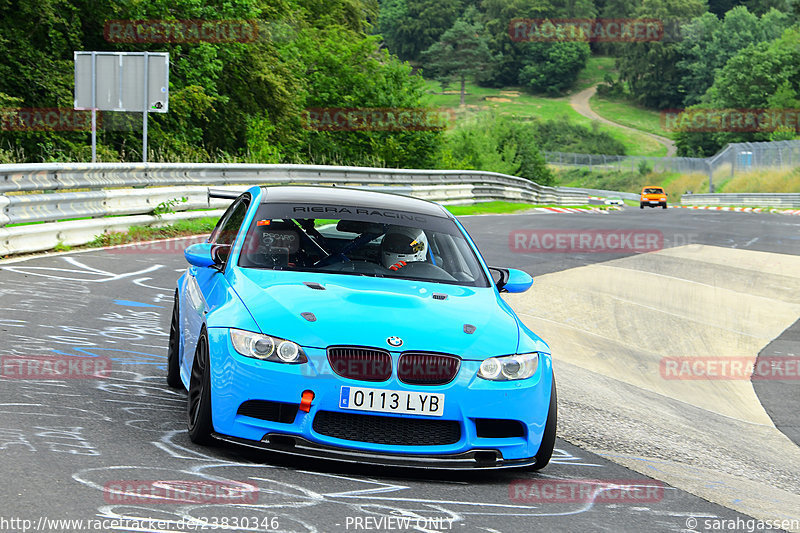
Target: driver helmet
(403,245)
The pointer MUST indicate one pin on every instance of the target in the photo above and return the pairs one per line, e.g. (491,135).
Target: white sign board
(117,81)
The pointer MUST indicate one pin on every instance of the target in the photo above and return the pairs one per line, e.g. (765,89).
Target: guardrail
(76,202)
(603,193)
(766,199)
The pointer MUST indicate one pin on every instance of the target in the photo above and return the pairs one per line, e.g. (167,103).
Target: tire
(173,363)
(198,405)
(641,206)
(664,206)
(549,436)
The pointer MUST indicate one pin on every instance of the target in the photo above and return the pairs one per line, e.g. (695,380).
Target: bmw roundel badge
(394,341)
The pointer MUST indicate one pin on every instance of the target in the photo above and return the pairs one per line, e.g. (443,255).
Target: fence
(73,203)
(733,159)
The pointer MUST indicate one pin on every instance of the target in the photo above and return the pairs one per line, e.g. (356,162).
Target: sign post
(122,81)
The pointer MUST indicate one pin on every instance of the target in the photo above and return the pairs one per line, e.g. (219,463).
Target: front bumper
(300,447)
(236,379)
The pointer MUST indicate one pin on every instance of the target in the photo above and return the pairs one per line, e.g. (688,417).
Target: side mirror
(511,279)
(206,254)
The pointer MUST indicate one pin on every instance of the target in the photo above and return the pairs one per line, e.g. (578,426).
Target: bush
(552,68)
(496,144)
(563,136)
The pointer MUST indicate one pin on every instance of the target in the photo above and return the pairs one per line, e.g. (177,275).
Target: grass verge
(596,69)
(147,233)
(763,181)
(487,208)
(628,114)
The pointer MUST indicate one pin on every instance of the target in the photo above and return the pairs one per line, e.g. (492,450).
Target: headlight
(510,367)
(266,348)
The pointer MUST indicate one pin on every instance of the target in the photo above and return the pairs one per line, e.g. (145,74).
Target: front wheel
(549,436)
(198,409)
(641,206)
(173,364)
(664,206)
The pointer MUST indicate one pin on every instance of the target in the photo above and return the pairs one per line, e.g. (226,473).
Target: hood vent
(469,329)
(311,317)
(314,285)
(439,296)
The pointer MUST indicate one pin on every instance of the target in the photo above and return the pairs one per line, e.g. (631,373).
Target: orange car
(653,196)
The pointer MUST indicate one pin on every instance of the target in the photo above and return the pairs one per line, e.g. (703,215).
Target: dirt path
(580,103)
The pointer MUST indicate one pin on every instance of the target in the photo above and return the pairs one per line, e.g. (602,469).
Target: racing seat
(274,246)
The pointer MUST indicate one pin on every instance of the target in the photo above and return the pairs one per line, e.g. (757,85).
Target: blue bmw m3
(358,326)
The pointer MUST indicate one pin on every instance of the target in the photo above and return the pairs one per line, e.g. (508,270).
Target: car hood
(366,311)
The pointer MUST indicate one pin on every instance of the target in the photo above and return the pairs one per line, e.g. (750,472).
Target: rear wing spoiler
(225,195)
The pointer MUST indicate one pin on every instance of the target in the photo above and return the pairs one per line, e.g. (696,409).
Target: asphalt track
(65,442)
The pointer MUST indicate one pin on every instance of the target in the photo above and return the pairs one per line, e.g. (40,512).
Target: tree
(720,7)
(758,72)
(764,75)
(552,67)
(411,26)
(709,43)
(342,72)
(461,53)
(511,55)
(759,7)
(497,143)
(650,68)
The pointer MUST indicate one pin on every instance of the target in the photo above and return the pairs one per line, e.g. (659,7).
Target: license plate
(392,401)
(653,201)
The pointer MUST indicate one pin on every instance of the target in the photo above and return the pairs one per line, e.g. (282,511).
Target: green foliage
(709,43)
(542,67)
(462,52)
(496,144)
(650,68)
(758,72)
(552,68)
(347,73)
(167,206)
(146,233)
(228,101)
(565,136)
(412,26)
(764,75)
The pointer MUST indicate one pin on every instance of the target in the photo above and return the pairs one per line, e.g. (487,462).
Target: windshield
(362,242)
(653,190)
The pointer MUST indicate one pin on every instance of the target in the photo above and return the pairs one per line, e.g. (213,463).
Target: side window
(230,222)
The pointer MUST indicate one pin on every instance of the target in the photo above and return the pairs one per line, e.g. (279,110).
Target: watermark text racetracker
(203,491)
(163,246)
(46,119)
(181,31)
(585,241)
(730,368)
(54,367)
(730,120)
(586,30)
(619,491)
(376,119)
